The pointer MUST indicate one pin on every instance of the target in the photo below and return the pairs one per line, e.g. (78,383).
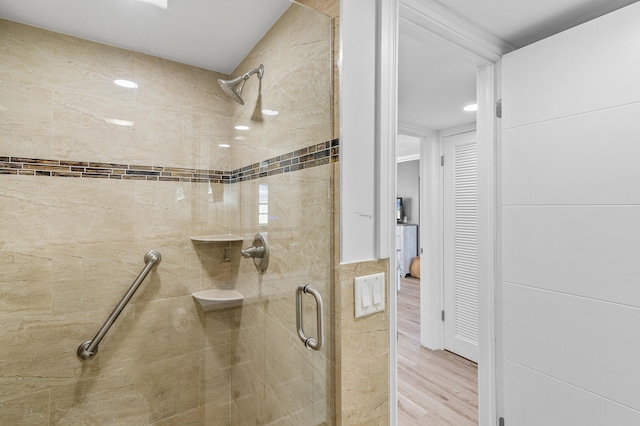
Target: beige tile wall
(70,247)
(331,8)
(296,53)
(57,93)
(362,352)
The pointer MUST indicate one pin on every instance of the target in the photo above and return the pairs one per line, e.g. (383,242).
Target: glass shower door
(283,174)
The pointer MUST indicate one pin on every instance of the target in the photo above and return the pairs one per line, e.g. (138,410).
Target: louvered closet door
(461,245)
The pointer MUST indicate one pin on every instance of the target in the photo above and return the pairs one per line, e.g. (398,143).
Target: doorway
(435,386)
(436,115)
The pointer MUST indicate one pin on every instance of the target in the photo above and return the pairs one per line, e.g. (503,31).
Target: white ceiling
(522,22)
(433,85)
(211,34)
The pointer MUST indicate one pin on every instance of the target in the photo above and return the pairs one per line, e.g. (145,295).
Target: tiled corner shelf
(221,238)
(211,300)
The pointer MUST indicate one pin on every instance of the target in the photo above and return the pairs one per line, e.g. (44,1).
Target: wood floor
(434,387)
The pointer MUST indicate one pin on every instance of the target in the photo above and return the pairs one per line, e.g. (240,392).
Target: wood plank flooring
(435,388)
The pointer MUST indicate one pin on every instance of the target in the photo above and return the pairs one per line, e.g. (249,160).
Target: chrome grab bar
(310,342)
(89,348)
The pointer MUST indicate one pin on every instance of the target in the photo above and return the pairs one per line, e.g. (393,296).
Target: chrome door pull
(310,342)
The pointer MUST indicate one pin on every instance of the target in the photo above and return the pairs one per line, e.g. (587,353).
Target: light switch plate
(368,290)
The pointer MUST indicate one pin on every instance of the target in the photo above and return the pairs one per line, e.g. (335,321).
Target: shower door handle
(310,342)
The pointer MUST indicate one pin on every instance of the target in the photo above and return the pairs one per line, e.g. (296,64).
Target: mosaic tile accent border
(311,156)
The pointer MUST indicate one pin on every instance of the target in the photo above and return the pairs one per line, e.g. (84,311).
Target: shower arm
(259,71)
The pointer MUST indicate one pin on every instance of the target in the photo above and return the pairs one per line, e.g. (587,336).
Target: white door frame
(433,22)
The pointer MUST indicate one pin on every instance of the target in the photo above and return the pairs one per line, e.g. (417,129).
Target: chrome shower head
(234,87)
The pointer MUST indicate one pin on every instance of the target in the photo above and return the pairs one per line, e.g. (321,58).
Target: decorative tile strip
(312,156)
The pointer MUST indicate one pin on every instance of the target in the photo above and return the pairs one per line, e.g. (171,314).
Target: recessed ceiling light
(240,138)
(471,108)
(119,122)
(224,145)
(241,127)
(162,4)
(126,83)
(270,112)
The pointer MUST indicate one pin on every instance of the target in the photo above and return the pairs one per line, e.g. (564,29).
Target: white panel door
(461,245)
(570,226)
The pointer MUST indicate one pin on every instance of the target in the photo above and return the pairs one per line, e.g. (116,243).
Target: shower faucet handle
(259,251)
(253,251)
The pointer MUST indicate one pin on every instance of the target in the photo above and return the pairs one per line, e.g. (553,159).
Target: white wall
(357,130)
(570,228)
(368,128)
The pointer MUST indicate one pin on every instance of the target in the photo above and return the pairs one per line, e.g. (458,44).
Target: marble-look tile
(28,410)
(247,374)
(331,8)
(222,330)
(218,413)
(26,53)
(118,131)
(296,55)
(77,211)
(25,285)
(288,376)
(193,417)
(96,276)
(216,272)
(177,274)
(170,84)
(162,211)
(214,209)
(216,375)
(138,395)
(41,353)
(93,276)
(328,7)
(236,416)
(86,67)
(26,124)
(155,331)
(364,354)
(172,385)
(66,85)
(167,328)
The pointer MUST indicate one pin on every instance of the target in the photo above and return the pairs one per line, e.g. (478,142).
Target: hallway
(435,388)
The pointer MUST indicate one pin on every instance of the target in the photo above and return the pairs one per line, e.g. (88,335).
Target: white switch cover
(369,294)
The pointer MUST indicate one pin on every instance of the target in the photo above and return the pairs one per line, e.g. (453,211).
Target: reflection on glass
(263,204)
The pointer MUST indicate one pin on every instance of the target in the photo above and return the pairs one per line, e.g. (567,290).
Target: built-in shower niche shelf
(211,300)
(216,238)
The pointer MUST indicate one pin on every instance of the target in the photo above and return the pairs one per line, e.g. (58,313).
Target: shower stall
(94,175)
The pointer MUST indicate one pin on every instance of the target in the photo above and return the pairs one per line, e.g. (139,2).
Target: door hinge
(442,160)
(499,108)
(501,421)
(442,315)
